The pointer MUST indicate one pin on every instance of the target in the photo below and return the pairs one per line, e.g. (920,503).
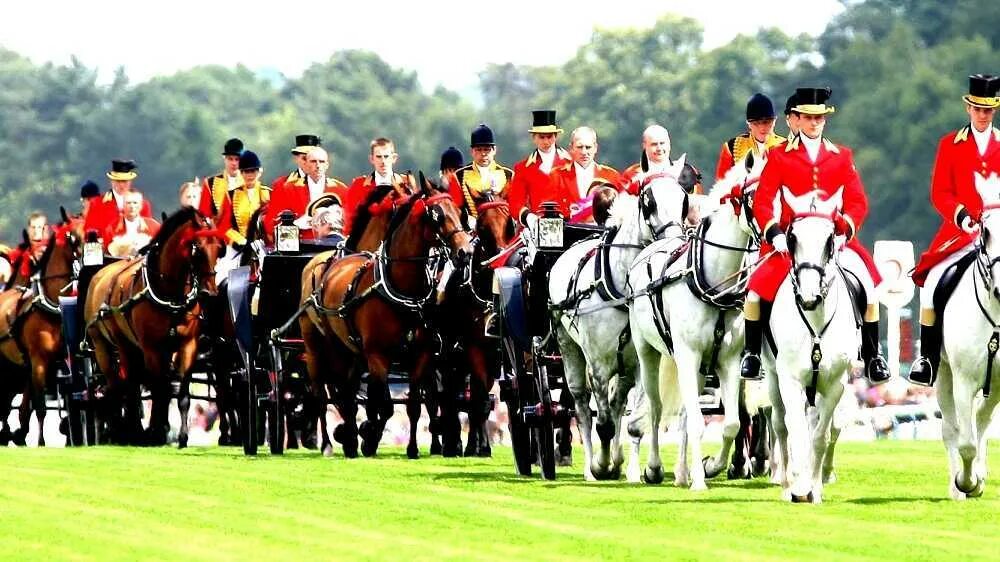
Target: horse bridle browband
(799,267)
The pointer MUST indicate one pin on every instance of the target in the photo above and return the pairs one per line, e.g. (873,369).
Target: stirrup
(922,372)
(877,371)
(750,368)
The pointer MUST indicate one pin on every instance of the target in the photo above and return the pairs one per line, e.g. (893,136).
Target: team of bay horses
(678,266)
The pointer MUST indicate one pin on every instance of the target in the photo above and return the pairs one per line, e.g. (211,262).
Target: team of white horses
(662,300)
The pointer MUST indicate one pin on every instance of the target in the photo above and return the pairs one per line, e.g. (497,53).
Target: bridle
(984,263)
(821,268)
(647,205)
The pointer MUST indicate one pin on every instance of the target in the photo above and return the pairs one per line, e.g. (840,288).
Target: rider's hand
(780,243)
(969,225)
(531,221)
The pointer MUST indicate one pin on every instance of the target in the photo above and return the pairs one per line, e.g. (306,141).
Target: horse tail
(670,395)
(756,396)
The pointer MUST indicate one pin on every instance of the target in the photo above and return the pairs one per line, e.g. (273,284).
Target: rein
(994,342)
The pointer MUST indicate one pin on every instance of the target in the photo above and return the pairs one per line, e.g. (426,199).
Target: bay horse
(967,388)
(147,309)
(467,305)
(31,326)
(371,306)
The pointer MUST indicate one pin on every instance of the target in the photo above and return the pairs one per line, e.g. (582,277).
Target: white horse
(970,339)
(817,338)
(677,327)
(583,285)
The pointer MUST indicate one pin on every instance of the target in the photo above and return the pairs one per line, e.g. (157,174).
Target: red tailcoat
(103,213)
(294,195)
(562,185)
(530,184)
(149,226)
(359,190)
(953,189)
(789,165)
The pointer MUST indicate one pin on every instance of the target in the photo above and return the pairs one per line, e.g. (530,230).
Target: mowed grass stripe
(214,504)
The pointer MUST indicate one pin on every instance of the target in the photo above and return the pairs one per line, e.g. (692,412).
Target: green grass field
(214,504)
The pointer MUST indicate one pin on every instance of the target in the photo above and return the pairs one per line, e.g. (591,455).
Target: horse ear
(679,165)
(163,216)
(425,185)
(63,214)
(24,236)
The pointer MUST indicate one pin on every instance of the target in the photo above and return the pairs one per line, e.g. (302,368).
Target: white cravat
(761,146)
(489,182)
(119,201)
(382,180)
(315,188)
(233,181)
(983,138)
(584,177)
(812,146)
(657,167)
(546,159)
(132,226)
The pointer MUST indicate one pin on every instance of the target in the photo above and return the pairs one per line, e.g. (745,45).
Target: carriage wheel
(90,404)
(276,419)
(546,449)
(250,431)
(520,433)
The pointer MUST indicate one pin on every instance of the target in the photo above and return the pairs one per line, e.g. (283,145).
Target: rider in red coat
(106,211)
(805,163)
(531,175)
(571,184)
(382,155)
(975,148)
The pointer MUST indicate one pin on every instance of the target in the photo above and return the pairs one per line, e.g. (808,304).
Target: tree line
(898,69)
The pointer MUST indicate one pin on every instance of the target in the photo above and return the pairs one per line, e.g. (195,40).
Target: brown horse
(147,309)
(468,306)
(31,326)
(372,307)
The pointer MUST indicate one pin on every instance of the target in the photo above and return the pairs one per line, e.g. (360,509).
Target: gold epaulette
(830,146)
(962,134)
(108,197)
(792,144)
(740,145)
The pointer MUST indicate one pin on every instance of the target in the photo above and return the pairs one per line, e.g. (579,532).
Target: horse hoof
(412,452)
(615,473)
(808,498)
(435,447)
(711,470)
(19,438)
(450,452)
(4,437)
(563,459)
(350,452)
(975,491)
(485,452)
(64,426)
(653,475)
(735,473)
(182,442)
(223,440)
(829,477)
(339,433)
(328,450)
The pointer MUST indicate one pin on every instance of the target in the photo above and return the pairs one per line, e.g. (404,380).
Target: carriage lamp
(286,234)
(93,249)
(550,227)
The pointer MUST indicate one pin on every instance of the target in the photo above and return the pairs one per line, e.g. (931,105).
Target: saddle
(949,280)
(858,295)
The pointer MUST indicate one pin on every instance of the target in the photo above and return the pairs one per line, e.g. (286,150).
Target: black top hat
(249,161)
(122,170)
(759,106)
(482,136)
(305,143)
(544,121)
(452,159)
(233,147)
(812,101)
(983,90)
(791,103)
(89,189)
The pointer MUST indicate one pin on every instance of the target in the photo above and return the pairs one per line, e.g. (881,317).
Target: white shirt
(584,177)
(761,146)
(657,167)
(382,180)
(315,188)
(487,175)
(234,181)
(983,138)
(132,226)
(812,146)
(119,201)
(546,159)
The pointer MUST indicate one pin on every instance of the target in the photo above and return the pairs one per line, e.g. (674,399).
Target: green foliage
(897,69)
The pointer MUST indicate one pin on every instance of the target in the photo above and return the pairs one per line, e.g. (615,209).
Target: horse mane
(363,216)
(47,254)
(622,210)
(172,223)
(402,214)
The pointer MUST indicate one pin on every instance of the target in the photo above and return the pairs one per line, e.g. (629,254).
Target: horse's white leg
(826,405)
(949,427)
(730,386)
(779,433)
(649,366)
(600,381)
(575,370)
(637,399)
(622,391)
(983,418)
(682,476)
(964,393)
(688,364)
(841,417)
(797,463)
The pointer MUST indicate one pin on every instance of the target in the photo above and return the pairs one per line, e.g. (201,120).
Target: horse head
(442,219)
(663,202)
(811,243)
(188,244)
(495,226)
(738,188)
(989,247)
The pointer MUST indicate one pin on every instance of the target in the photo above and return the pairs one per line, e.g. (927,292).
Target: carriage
(531,380)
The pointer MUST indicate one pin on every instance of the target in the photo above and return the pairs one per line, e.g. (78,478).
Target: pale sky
(449,47)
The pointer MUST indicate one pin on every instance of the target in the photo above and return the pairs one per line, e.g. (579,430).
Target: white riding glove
(531,220)
(839,241)
(780,243)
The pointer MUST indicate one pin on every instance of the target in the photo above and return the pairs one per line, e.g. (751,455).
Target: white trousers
(934,276)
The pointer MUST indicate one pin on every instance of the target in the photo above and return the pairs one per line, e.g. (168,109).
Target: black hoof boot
(750,367)
(435,446)
(412,452)
(876,369)
(924,370)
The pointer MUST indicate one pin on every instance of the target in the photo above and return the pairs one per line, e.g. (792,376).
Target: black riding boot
(923,371)
(876,369)
(750,367)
